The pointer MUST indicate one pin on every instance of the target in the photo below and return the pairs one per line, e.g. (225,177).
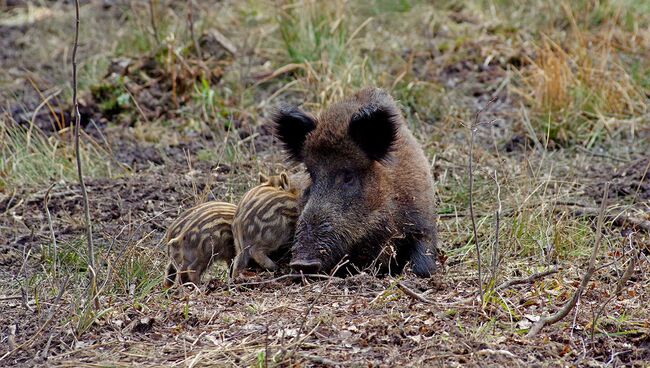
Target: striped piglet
(264,222)
(199,236)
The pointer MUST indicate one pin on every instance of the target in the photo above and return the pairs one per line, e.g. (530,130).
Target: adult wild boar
(371,196)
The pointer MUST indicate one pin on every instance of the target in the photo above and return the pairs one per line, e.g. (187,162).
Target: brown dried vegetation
(171,120)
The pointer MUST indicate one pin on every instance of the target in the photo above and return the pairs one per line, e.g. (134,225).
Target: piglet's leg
(184,274)
(259,255)
(196,269)
(170,275)
(240,263)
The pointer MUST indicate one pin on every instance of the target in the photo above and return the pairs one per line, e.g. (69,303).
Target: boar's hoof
(306,265)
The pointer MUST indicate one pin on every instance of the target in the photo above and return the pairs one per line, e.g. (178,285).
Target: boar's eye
(348,179)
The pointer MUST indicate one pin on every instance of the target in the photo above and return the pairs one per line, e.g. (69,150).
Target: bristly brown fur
(371,197)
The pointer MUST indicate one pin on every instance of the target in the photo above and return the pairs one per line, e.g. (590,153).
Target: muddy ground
(360,320)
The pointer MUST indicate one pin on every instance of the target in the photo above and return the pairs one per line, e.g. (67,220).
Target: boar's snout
(306,265)
(312,240)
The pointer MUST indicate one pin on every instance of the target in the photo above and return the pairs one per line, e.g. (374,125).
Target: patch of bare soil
(264,319)
(123,210)
(472,74)
(157,193)
(361,320)
(631,181)
(629,190)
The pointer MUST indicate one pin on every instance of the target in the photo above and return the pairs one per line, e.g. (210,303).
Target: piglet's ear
(374,129)
(263,178)
(284,178)
(291,127)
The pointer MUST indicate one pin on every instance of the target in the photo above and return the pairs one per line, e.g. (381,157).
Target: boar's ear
(292,126)
(263,178)
(374,129)
(284,179)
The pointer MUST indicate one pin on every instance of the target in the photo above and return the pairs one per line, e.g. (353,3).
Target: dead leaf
(287,332)
(141,325)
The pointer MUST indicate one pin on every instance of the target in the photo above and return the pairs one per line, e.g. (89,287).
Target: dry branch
(619,288)
(408,291)
(525,280)
(224,41)
(619,219)
(472,129)
(49,221)
(566,309)
(77,127)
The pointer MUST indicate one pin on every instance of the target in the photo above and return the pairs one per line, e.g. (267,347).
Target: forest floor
(174,108)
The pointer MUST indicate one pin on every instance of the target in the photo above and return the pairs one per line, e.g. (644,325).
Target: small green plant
(112,96)
(314,32)
(261,359)
(68,258)
(136,274)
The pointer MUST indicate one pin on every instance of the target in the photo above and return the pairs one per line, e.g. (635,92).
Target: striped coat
(264,222)
(199,236)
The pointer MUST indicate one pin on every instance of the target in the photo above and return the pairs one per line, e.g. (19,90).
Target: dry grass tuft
(578,74)
(575,85)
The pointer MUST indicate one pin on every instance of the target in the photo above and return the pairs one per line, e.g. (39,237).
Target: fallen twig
(265,77)
(525,280)
(224,41)
(92,274)
(10,297)
(495,352)
(472,129)
(289,276)
(566,309)
(619,288)
(619,219)
(412,293)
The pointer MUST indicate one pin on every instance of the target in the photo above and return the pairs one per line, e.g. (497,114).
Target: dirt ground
(160,163)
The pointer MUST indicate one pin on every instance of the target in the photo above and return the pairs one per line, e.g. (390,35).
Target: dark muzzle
(311,238)
(306,266)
